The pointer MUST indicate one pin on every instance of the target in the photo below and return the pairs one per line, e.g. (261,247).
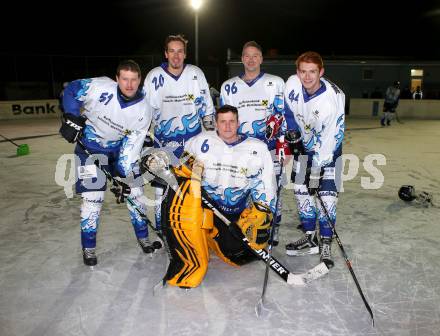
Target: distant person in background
(392,96)
(406,93)
(418,94)
(376,94)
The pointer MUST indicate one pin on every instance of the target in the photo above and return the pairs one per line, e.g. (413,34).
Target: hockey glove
(273,124)
(294,139)
(254,223)
(71,127)
(208,122)
(282,148)
(313,179)
(121,190)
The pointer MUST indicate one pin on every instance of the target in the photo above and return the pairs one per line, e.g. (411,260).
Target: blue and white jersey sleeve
(204,101)
(263,186)
(75,94)
(331,133)
(292,91)
(130,150)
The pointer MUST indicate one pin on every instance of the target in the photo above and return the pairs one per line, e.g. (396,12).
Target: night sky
(125,27)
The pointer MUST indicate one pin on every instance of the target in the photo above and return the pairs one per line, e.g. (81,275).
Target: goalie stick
(347,261)
(299,279)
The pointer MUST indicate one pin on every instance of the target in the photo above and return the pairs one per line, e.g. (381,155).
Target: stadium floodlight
(196,4)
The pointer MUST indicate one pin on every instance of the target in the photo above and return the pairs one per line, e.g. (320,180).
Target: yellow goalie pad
(184,226)
(255,223)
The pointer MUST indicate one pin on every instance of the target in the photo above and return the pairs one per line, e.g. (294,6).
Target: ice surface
(46,290)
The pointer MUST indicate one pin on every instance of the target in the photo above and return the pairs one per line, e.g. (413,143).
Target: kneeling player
(236,176)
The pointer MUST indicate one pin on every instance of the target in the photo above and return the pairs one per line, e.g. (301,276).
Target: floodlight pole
(197,36)
(196,4)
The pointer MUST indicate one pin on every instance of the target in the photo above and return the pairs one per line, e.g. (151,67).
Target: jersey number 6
(231,88)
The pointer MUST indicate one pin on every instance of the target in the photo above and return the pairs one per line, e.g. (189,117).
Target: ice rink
(45,289)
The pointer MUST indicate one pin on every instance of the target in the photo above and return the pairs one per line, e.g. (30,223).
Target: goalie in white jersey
(314,111)
(179,94)
(109,120)
(235,174)
(258,96)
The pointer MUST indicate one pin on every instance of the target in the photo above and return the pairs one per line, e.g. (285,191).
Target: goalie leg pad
(182,221)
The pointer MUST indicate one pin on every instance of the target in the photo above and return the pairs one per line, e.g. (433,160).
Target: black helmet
(407,193)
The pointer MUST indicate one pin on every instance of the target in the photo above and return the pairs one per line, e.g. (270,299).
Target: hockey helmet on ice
(407,193)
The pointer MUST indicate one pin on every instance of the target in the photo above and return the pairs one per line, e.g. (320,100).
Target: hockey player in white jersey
(109,120)
(235,173)
(179,94)
(258,97)
(314,111)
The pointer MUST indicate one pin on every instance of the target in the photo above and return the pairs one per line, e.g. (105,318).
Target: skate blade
(304,278)
(299,253)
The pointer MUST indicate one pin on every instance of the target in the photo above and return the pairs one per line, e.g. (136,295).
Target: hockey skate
(304,246)
(145,245)
(326,252)
(89,256)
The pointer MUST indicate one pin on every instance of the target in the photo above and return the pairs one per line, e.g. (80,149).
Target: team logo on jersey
(190,96)
(264,102)
(292,96)
(195,77)
(270,84)
(127,132)
(307,128)
(243,171)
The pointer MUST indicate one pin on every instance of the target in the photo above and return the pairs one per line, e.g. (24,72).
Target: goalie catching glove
(254,223)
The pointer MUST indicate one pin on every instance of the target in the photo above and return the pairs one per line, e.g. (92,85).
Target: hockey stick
(299,279)
(260,305)
(347,261)
(129,200)
(398,119)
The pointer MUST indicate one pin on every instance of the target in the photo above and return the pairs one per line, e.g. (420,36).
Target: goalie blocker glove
(208,122)
(72,127)
(121,190)
(273,124)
